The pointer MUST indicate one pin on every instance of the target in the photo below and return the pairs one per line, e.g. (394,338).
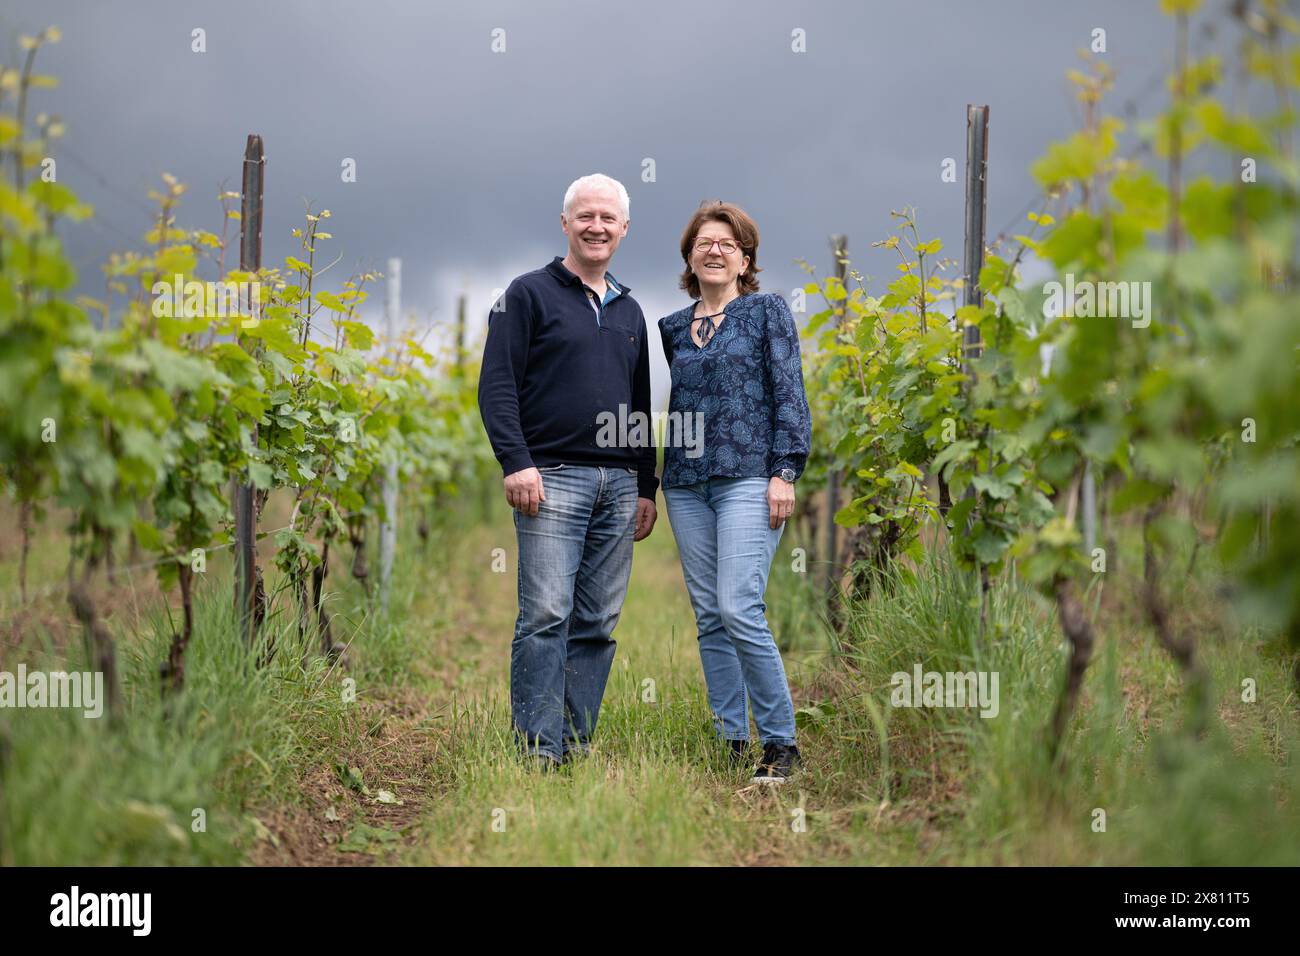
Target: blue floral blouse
(746,383)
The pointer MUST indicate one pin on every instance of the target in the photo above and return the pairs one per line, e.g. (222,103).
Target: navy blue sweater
(554,373)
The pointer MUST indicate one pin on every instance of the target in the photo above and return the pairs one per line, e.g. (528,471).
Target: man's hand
(645,518)
(524,491)
(780,501)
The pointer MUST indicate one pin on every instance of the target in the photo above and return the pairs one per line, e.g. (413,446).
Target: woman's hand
(780,501)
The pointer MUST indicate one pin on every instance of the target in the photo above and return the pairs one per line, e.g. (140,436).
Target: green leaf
(260,475)
(150,538)
(993,486)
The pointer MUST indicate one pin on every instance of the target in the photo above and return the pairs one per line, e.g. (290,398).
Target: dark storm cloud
(463,155)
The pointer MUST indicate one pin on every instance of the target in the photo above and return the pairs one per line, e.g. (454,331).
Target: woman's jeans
(726,547)
(575,558)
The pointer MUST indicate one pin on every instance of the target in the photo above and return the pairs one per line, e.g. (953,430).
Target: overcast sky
(463,154)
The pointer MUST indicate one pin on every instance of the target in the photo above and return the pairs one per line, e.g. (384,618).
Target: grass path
(654,791)
(403,754)
(657,791)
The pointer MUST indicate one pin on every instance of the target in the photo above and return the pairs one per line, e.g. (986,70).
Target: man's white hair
(600,180)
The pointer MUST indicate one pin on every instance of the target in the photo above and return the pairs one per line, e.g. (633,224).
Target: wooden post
(977,163)
(977,160)
(1089,494)
(460,335)
(839,253)
(250,260)
(388,528)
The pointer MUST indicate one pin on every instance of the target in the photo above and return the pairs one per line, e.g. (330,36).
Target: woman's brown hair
(742,227)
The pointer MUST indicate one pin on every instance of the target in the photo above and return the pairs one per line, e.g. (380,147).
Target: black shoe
(779,762)
(737,751)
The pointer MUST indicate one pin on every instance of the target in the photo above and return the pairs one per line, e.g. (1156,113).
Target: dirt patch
(343,819)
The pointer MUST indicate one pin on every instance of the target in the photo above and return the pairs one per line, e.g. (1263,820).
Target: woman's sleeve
(791,419)
(667,340)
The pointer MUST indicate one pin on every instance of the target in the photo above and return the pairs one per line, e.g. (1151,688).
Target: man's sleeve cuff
(516,462)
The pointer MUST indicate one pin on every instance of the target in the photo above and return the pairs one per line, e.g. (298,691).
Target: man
(566,347)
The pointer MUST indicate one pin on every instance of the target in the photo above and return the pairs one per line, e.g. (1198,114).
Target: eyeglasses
(725,246)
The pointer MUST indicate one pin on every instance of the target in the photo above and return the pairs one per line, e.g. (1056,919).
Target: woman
(734,358)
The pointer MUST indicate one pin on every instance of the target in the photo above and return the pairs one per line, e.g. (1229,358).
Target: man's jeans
(726,547)
(575,559)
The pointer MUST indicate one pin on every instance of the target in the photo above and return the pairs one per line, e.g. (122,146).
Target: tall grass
(987,784)
(173,781)
(881,785)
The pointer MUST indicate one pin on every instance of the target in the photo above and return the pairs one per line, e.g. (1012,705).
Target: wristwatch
(787,474)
